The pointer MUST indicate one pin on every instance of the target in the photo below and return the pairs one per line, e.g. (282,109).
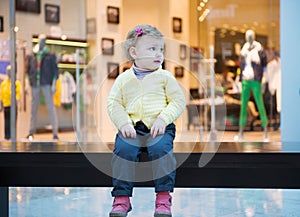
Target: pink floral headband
(139,32)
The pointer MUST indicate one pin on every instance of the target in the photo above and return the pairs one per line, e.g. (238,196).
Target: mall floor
(187,202)
(200,202)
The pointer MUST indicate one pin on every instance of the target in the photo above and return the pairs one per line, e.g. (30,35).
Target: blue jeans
(126,156)
(35,101)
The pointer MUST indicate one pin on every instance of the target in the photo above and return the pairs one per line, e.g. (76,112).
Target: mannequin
(252,62)
(42,71)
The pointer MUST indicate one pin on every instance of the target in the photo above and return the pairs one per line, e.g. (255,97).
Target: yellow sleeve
(56,95)
(18,90)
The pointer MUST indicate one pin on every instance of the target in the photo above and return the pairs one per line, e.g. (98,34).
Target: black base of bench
(268,165)
(232,170)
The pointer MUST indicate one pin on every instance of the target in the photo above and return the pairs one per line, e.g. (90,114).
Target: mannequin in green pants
(252,62)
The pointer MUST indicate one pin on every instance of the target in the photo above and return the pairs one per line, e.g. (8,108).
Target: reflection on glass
(212,202)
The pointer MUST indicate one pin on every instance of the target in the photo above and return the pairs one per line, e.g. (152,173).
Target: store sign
(227,12)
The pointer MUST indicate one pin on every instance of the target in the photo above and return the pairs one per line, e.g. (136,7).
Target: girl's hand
(128,131)
(158,127)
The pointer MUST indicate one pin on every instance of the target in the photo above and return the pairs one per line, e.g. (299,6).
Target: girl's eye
(154,49)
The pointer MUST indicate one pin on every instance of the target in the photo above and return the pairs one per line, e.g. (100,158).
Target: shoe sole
(117,214)
(162,215)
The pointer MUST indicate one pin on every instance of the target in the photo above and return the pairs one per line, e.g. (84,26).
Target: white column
(290,46)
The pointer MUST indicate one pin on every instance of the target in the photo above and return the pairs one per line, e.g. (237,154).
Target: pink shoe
(163,204)
(121,207)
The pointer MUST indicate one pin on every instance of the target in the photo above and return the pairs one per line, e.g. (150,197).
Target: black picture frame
(52,13)
(107,46)
(179,71)
(32,6)
(1,24)
(113,14)
(177,25)
(113,70)
(194,93)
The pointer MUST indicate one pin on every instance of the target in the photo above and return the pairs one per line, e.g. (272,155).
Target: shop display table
(230,165)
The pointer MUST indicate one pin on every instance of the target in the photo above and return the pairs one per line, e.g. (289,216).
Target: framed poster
(179,70)
(112,70)
(113,14)
(33,6)
(52,13)
(1,24)
(107,46)
(177,24)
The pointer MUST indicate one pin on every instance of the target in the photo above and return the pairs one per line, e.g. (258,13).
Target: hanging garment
(56,95)
(273,72)
(68,88)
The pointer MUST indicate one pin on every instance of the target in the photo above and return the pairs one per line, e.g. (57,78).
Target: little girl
(144,101)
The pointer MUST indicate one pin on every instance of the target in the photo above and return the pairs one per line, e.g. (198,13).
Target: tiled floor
(92,202)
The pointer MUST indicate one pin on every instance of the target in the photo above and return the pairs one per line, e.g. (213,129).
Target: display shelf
(65,50)
(70,65)
(59,41)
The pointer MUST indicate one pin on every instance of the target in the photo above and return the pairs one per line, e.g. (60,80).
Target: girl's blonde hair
(135,33)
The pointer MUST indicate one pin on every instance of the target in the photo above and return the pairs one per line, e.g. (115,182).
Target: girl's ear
(132,52)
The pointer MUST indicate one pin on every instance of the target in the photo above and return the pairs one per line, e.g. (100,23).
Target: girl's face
(148,52)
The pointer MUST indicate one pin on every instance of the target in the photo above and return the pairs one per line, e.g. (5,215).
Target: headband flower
(139,32)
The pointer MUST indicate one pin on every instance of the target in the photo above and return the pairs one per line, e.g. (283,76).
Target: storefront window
(206,28)
(222,25)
